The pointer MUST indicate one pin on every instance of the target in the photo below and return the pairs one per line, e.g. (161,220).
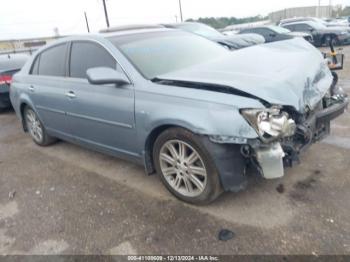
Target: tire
(36,129)
(330,38)
(182,172)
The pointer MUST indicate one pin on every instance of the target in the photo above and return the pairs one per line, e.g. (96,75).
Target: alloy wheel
(183,168)
(34,126)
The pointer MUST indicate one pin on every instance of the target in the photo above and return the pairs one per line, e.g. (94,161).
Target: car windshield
(157,53)
(280,30)
(200,29)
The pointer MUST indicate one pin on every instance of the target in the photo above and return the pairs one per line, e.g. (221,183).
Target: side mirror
(106,75)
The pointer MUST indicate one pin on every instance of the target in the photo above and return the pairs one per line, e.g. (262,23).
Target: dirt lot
(67,200)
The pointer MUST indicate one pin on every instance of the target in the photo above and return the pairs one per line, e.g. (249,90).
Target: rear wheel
(185,167)
(36,128)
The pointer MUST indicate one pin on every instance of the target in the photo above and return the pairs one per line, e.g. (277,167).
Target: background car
(276,33)
(325,22)
(321,34)
(230,41)
(9,65)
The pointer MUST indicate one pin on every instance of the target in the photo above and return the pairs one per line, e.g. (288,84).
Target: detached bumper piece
(271,158)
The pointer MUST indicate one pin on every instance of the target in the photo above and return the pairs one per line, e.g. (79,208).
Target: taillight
(5,79)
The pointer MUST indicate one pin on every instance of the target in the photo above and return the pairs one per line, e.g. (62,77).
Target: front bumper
(271,158)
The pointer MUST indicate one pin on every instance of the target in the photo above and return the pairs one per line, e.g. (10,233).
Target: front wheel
(185,167)
(36,128)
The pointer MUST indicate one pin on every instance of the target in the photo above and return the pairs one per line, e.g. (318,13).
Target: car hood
(240,41)
(289,73)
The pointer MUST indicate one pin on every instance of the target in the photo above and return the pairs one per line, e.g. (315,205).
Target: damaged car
(184,107)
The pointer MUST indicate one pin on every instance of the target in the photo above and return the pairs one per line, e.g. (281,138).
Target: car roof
(182,23)
(101,36)
(257,27)
(300,22)
(135,31)
(287,20)
(98,36)
(130,27)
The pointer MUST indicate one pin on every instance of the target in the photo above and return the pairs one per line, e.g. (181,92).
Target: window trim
(36,59)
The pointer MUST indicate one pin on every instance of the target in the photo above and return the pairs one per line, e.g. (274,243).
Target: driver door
(100,115)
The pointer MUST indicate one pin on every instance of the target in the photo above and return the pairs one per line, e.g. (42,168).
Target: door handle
(31,88)
(71,94)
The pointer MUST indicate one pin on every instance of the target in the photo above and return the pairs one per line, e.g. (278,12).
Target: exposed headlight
(270,124)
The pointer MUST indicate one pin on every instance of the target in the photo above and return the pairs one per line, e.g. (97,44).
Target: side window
(85,55)
(290,27)
(35,66)
(52,61)
(265,32)
(303,27)
(244,31)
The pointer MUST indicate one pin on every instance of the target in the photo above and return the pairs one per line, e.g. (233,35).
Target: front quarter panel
(202,112)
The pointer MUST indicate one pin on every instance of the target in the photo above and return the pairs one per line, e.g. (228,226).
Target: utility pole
(106,14)
(87,22)
(180,11)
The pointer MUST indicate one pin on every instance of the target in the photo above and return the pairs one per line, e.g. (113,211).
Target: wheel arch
(22,106)
(150,140)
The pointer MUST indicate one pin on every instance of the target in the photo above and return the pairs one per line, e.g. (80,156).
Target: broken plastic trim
(208,87)
(227,139)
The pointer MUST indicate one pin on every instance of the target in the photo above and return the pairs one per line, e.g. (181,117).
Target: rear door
(101,115)
(46,90)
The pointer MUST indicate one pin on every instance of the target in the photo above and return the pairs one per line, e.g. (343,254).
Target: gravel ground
(65,199)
